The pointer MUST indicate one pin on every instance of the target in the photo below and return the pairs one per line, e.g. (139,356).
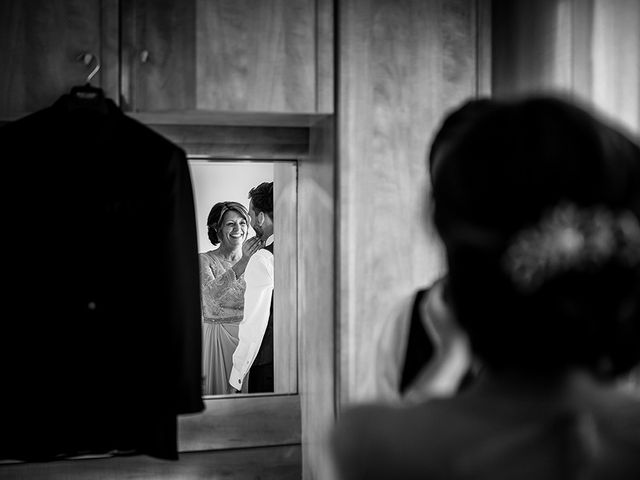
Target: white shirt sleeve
(257,302)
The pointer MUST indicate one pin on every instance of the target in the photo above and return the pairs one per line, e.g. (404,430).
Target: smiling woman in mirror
(222,291)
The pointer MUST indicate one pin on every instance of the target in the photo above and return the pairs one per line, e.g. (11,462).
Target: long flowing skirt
(219,341)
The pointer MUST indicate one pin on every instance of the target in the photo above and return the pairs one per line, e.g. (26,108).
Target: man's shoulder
(262,255)
(260,261)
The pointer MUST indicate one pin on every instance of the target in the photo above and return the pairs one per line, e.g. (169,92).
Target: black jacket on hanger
(100,335)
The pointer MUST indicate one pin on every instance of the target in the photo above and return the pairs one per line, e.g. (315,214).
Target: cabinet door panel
(40,42)
(158,55)
(224,55)
(257,55)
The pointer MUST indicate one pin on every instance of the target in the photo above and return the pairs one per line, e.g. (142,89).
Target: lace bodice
(222,294)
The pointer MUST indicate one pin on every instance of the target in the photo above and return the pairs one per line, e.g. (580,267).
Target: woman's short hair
(537,201)
(216,216)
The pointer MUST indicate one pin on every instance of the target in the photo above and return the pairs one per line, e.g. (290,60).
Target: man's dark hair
(262,198)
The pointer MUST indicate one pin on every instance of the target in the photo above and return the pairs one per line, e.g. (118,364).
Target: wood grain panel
(165,80)
(317,285)
(402,64)
(285,328)
(236,119)
(256,55)
(234,142)
(325,44)
(40,41)
(109,54)
(267,463)
(185,134)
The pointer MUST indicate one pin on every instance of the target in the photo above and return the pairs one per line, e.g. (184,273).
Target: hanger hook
(86,58)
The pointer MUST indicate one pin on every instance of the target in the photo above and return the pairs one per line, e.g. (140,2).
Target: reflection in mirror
(246,347)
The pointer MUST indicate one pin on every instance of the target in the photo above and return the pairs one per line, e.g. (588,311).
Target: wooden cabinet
(271,56)
(40,45)
(224,55)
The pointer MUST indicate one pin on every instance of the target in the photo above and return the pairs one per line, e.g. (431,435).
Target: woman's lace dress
(222,296)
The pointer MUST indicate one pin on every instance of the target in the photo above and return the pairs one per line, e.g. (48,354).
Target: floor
(264,463)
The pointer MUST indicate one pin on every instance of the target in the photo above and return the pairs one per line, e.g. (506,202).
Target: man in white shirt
(254,353)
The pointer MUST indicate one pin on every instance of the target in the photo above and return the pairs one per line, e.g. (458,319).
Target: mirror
(230,181)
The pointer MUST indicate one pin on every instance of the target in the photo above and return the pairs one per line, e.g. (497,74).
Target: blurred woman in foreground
(538,204)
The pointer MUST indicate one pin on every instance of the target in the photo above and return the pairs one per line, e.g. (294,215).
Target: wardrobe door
(226,55)
(48,47)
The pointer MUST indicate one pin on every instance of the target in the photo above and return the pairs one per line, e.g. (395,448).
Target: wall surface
(615,60)
(587,48)
(402,65)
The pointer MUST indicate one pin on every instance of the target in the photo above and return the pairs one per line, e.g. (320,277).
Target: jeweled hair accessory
(569,238)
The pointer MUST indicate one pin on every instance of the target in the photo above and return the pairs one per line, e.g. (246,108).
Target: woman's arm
(249,247)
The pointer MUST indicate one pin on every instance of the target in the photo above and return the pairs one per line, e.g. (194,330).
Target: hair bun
(569,238)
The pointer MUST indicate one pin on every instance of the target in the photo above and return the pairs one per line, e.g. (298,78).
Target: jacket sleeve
(183,287)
